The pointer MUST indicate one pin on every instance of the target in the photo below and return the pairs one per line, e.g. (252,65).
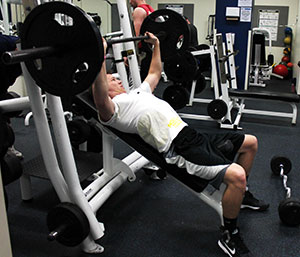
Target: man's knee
(236,176)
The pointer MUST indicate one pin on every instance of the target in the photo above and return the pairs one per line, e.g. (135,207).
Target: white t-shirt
(142,113)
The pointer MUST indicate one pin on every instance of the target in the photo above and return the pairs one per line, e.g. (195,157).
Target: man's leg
(247,153)
(231,242)
(246,157)
(235,179)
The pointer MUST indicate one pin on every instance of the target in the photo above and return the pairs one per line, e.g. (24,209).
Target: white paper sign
(268,19)
(245,14)
(247,3)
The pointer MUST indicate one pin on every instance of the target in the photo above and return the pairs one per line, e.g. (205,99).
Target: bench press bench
(198,186)
(289,98)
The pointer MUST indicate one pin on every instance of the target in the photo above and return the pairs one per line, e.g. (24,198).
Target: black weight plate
(289,211)
(181,67)
(80,56)
(217,109)
(79,131)
(177,32)
(69,214)
(176,96)
(200,84)
(277,161)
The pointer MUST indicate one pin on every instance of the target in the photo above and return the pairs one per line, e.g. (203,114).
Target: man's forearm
(156,66)
(100,87)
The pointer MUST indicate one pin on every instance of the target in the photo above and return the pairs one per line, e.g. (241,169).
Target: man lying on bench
(209,156)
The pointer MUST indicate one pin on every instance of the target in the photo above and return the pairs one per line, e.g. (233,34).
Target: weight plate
(200,84)
(77,225)
(74,34)
(280,160)
(181,67)
(79,131)
(176,96)
(177,32)
(217,109)
(289,211)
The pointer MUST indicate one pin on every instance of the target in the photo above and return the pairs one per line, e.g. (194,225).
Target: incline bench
(289,98)
(197,185)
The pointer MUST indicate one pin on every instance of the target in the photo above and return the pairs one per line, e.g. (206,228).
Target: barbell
(62,46)
(289,208)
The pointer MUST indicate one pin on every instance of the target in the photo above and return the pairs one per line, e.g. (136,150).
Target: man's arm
(103,102)
(138,16)
(155,68)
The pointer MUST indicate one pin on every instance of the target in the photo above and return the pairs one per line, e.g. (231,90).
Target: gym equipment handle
(161,35)
(12,57)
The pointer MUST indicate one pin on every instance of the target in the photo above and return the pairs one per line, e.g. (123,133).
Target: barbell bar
(18,56)
(161,35)
(12,57)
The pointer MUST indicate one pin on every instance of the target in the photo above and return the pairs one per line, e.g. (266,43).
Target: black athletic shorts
(202,148)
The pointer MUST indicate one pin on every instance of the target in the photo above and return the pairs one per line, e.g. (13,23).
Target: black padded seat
(267,95)
(136,142)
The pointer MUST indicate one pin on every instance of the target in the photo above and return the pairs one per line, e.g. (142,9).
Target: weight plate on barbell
(217,109)
(177,32)
(75,35)
(280,160)
(289,211)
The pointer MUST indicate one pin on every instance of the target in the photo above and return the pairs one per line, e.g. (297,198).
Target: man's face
(133,3)
(115,86)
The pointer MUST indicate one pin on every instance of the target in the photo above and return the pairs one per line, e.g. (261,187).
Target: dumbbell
(289,208)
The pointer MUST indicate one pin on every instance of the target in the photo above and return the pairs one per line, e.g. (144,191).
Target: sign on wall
(273,17)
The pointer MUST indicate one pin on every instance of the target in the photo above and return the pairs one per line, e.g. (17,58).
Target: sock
(230,224)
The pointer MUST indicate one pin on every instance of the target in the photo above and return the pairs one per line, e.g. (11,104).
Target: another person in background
(140,11)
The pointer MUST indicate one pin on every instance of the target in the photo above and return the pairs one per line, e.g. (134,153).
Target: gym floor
(149,218)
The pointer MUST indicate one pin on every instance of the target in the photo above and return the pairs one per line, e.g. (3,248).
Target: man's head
(135,3)
(115,86)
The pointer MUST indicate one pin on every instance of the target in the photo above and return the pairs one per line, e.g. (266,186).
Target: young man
(201,154)
(140,11)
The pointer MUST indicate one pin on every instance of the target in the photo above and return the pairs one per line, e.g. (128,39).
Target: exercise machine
(258,67)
